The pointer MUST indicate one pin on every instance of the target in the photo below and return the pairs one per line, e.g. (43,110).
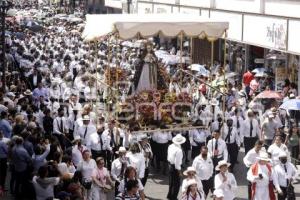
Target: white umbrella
(161,54)
(199,68)
(127,44)
(171,60)
(259,70)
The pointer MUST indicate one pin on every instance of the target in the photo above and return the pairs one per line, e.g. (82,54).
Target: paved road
(157,185)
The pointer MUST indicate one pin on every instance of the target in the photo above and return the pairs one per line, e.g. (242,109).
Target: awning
(171,25)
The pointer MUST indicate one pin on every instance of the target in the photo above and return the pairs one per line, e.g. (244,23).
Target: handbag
(290,192)
(87,184)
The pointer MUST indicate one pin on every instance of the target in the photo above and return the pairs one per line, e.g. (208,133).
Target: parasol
(259,70)
(269,94)
(292,104)
(161,54)
(199,68)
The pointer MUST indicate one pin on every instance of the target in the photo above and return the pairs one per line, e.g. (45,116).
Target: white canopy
(148,25)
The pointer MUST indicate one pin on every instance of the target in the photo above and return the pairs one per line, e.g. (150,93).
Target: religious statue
(147,77)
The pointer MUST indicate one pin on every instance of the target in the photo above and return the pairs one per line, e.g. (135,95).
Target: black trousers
(96,154)
(196,150)
(3,171)
(284,194)
(249,143)
(20,184)
(207,185)
(144,180)
(233,151)
(174,182)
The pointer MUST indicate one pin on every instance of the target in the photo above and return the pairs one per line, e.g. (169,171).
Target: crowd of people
(58,141)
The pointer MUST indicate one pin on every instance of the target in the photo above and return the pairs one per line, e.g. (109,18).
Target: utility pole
(4,6)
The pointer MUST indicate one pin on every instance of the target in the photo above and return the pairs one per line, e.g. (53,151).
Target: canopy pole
(97,88)
(117,79)
(191,50)
(224,71)
(181,55)
(211,63)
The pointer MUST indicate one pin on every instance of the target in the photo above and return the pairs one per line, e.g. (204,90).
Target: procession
(93,106)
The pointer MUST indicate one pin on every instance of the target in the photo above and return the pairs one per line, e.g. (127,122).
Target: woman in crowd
(102,182)
(87,166)
(131,174)
(190,174)
(293,143)
(131,192)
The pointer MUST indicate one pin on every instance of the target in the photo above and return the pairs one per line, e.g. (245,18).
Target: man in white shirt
(284,174)
(270,128)
(197,138)
(250,131)
(251,158)
(204,169)
(233,142)
(60,128)
(86,131)
(175,156)
(217,149)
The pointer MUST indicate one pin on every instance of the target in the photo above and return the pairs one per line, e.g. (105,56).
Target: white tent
(130,25)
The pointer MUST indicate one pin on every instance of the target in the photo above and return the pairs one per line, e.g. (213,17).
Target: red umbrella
(269,94)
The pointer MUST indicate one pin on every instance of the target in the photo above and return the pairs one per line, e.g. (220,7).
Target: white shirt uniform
(77,154)
(237,122)
(175,155)
(233,137)
(137,161)
(204,168)
(275,150)
(217,126)
(60,125)
(95,142)
(262,185)
(221,150)
(161,137)
(281,177)
(85,133)
(228,187)
(108,142)
(198,136)
(87,168)
(245,129)
(251,157)
(116,168)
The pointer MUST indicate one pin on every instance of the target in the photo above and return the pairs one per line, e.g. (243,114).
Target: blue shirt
(20,158)
(6,128)
(3,149)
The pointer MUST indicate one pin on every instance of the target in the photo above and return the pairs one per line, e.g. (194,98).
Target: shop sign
(265,31)
(280,77)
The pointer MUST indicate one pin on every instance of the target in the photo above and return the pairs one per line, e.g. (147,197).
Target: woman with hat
(190,174)
(225,181)
(192,192)
(260,175)
(175,156)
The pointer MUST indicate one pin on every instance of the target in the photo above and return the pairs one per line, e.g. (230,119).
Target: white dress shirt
(116,168)
(227,187)
(251,157)
(234,136)
(175,155)
(275,150)
(137,161)
(95,142)
(59,128)
(77,154)
(204,168)
(221,151)
(107,139)
(85,133)
(161,137)
(280,176)
(198,136)
(245,129)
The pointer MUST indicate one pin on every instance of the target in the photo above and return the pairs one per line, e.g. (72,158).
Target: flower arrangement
(114,74)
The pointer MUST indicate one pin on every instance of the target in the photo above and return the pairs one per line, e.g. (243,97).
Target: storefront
(253,40)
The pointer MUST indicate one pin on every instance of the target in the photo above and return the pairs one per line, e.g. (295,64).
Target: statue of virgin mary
(147,77)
